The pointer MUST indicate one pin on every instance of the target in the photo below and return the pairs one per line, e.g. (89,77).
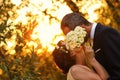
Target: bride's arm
(80,72)
(100,70)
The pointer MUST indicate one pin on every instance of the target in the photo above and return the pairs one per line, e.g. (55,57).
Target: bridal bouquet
(75,38)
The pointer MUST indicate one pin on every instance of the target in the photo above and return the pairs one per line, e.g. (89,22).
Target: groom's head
(71,20)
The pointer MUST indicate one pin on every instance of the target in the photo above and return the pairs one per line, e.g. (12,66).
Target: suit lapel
(97,37)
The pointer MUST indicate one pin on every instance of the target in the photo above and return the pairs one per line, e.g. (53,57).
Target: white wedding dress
(69,76)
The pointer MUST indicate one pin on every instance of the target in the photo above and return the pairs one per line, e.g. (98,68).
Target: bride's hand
(89,53)
(76,51)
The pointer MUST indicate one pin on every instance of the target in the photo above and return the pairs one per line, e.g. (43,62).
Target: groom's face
(66,30)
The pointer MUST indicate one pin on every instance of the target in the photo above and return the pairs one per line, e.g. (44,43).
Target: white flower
(75,38)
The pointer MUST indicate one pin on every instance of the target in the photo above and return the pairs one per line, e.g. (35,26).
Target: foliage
(114,6)
(29,67)
(5,7)
(28,61)
(108,14)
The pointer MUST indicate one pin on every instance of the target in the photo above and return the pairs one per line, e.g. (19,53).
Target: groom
(106,42)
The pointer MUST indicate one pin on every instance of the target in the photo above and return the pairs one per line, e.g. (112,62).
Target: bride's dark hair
(62,57)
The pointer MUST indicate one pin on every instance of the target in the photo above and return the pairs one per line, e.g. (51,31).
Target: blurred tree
(26,59)
(5,32)
(22,61)
(108,13)
(5,7)
(72,6)
(114,6)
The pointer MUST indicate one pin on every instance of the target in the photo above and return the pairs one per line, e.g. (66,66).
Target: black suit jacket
(107,42)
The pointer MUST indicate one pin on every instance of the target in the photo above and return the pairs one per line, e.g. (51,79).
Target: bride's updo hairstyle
(62,57)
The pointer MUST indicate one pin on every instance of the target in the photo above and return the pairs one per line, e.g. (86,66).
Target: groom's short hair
(72,20)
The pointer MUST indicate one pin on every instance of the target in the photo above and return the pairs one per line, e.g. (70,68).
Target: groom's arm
(111,46)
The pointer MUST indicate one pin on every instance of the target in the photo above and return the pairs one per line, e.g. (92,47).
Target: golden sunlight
(90,8)
(49,33)
(1,71)
(16,2)
(48,30)
(11,44)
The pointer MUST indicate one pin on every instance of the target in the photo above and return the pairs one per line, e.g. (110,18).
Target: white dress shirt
(92,32)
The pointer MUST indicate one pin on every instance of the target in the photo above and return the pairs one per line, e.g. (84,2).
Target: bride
(74,63)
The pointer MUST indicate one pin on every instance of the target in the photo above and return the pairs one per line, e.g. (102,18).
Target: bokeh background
(30,29)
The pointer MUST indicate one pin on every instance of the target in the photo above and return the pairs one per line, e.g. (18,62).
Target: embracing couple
(98,60)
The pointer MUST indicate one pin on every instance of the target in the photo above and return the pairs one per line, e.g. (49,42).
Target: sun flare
(49,33)
(47,29)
